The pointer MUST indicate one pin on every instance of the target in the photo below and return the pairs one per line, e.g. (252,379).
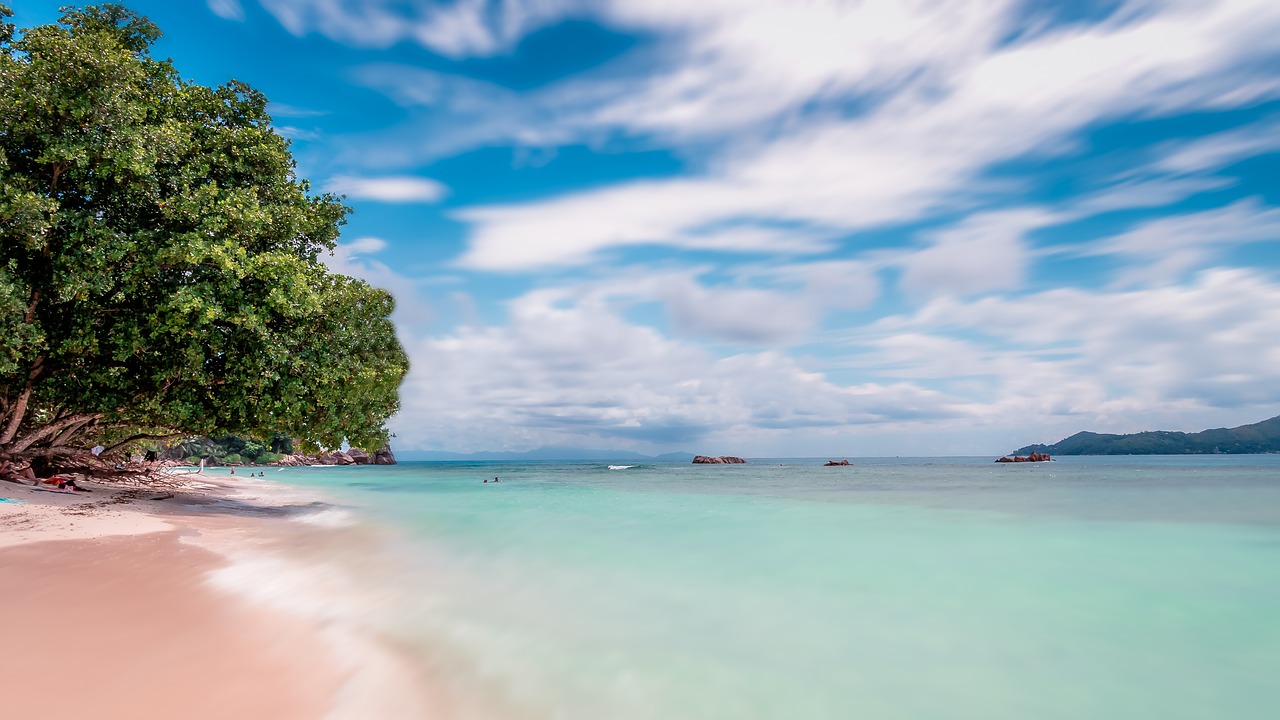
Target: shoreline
(132,601)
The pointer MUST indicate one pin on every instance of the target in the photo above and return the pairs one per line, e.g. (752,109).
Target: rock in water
(833,463)
(722,460)
(361,457)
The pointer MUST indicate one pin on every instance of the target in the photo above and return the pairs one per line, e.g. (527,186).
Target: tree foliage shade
(160,262)
(222,449)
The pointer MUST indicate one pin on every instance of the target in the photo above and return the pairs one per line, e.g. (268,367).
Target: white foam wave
(330,518)
(621,467)
(378,683)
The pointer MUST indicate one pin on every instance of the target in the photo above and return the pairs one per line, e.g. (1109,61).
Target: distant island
(1261,437)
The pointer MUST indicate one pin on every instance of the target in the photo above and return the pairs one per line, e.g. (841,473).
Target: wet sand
(109,614)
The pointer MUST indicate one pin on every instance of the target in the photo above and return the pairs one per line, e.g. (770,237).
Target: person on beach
(8,471)
(62,483)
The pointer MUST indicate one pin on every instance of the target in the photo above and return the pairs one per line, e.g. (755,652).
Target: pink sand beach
(113,614)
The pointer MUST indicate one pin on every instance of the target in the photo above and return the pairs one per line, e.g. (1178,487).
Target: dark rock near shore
(1033,457)
(834,463)
(359,456)
(384,457)
(722,460)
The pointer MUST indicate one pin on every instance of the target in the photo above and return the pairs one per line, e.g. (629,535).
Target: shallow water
(896,588)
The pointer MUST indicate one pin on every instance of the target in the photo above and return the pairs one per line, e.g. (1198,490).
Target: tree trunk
(19,412)
(15,419)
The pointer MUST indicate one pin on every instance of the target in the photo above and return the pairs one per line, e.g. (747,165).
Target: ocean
(895,588)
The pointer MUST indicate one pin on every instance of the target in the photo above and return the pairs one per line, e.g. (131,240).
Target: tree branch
(140,436)
(31,308)
(50,429)
(65,436)
(49,452)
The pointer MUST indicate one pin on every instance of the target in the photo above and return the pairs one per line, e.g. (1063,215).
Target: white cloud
(279,109)
(227,9)
(458,29)
(401,189)
(296,133)
(362,246)
(1215,151)
(569,369)
(845,284)
(746,62)
(449,114)
(1181,169)
(771,305)
(741,315)
(353,259)
(1165,248)
(1148,192)
(924,145)
(983,253)
(1169,349)
(810,122)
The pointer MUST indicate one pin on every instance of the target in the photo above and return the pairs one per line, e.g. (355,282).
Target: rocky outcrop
(337,457)
(359,456)
(722,460)
(834,463)
(384,457)
(295,460)
(1033,457)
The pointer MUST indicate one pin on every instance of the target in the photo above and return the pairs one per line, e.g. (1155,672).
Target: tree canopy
(160,261)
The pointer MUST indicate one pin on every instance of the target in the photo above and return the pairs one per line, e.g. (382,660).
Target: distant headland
(1261,437)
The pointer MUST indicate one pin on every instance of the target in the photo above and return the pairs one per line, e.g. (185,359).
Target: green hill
(1262,437)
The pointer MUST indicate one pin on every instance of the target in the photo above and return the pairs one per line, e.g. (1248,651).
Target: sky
(889,227)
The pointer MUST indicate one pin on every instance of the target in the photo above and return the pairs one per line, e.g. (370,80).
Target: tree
(160,262)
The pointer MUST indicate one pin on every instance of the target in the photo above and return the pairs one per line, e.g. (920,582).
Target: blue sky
(774,228)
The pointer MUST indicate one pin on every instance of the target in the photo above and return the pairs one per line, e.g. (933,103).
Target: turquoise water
(895,588)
